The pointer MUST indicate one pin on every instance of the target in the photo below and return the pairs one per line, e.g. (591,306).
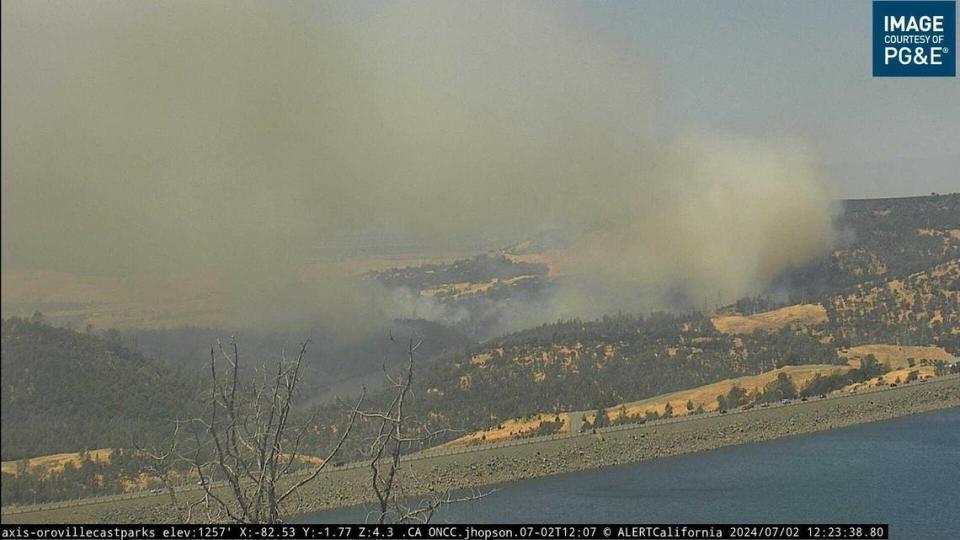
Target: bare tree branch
(394,435)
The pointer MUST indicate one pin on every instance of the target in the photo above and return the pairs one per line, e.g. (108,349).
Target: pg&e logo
(914,39)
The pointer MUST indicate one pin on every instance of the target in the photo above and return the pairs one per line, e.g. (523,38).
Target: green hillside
(64,391)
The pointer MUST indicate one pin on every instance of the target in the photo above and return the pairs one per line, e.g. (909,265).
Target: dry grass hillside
(906,324)
(894,356)
(922,308)
(801,314)
(54,463)
(510,429)
(706,396)
(702,396)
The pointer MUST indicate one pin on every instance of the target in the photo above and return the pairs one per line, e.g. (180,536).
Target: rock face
(536,458)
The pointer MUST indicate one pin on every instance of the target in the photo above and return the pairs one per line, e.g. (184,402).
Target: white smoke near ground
(724,217)
(227,139)
(406,303)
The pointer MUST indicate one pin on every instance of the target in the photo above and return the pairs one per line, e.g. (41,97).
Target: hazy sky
(233,138)
(766,67)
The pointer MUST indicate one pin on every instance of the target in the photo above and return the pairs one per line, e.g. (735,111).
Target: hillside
(578,365)
(803,314)
(64,391)
(895,356)
(903,235)
(54,463)
(919,309)
(881,239)
(473,293)
(685,402)
(333,364)
(875,239)
(582,365)
(511,384)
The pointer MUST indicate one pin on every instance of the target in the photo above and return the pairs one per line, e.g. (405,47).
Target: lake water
(905,472)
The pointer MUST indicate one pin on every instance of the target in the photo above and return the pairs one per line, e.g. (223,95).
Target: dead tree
(167,465)
(247,450)
(397,431)
(250,472)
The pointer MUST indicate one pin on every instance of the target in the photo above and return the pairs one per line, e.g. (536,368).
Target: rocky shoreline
(485,467)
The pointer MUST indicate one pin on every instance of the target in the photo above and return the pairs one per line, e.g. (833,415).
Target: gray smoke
(227,140)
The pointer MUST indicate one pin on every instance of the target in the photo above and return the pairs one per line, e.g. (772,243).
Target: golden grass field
(893,356)
(509,429)
(54,463)
(900,375)
(801,314)
(952,233)
(705,396)
(896,376)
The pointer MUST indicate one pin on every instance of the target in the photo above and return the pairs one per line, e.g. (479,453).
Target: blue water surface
(905,472)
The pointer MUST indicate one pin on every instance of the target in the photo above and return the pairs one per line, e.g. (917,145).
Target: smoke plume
(231,139)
